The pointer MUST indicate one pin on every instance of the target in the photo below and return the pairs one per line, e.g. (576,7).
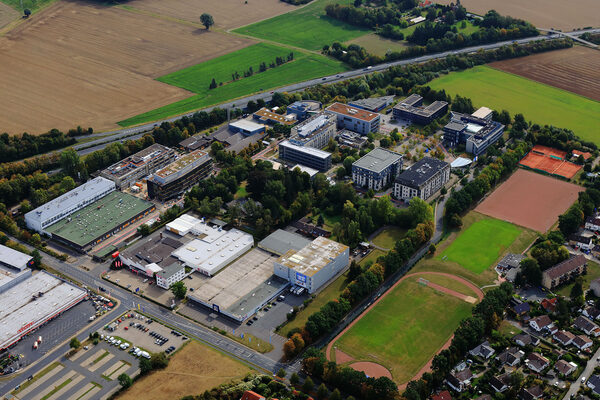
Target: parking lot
(140,284)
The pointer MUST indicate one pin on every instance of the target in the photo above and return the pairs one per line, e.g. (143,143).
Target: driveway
(587,372)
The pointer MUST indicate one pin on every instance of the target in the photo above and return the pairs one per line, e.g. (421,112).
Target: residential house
(532,393)
(565,368)
(250,395)
(565,338)
(564,271)
(584,324)
(460,381)
(541,323)
(594,384)
(483,350)
(519,307)
(444,395)
(582,239)
(593,223)
(524,339)
(500,383)
(537,362)
(595,287)
(549,304)
(582,342)
(511,356)
(591,312)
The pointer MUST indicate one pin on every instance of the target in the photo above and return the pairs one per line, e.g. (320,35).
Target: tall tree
(207,20)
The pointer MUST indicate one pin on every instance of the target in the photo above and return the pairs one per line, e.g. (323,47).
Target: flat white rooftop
(19,311)
(313,257)
(13,258)
(246,125)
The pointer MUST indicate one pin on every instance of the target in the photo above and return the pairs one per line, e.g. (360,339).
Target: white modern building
(422,179)
(315,132)
(313,265)
(70,202)
(376,169)
(169,275)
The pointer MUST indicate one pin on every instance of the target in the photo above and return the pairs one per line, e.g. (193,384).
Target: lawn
(197,78)
(539,103)
(307,27)
(593,272)
(388,237)
(32,5)
(482,243)
(192,370)
(413,322)
(507,329)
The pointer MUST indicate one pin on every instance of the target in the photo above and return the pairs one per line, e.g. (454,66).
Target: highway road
(105,138)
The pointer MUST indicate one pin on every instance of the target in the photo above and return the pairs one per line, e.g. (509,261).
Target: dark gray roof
(280,242)
(511,260)
(421,171)
(372,103)
(170,270)
(377,159)
(455,126)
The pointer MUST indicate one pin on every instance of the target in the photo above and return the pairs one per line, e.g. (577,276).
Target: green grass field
(308,28)
(197,78)
(388,237)
(413,322)
(539,103)
(481,244)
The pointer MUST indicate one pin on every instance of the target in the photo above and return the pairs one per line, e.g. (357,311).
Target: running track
(427,366)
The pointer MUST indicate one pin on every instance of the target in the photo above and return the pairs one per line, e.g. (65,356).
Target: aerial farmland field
(540,103)
(557,14)
(308,28)
(576,69)
(81,63)
(198,78)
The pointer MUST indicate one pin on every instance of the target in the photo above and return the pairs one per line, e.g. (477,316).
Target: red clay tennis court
(531,200)
(549,165)
(549,151)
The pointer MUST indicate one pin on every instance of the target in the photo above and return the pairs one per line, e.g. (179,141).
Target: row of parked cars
(115,342)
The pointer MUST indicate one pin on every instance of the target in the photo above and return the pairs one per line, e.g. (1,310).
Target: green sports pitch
(542,104)
(99,219)
(413,322)
(307,27)
(481,244)
(197,78)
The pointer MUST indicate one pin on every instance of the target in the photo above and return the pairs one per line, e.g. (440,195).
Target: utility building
(313,265)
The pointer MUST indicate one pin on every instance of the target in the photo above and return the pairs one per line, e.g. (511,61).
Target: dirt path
(434,286)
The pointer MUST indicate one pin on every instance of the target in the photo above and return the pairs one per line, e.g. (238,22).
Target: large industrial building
(477,131)
(13,267)
(100,220)
(354,119)
(376,169)
(179,176)
(70,202)
(247,128)
(308,156)
(139,165)
(32,302)
(422,179)
(315,132)
(313,265)
(280,242)
(412,109)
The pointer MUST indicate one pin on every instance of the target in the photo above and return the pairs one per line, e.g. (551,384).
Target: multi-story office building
(308,156)
(412,109)
(315,132)
(354,119)
(143,163)
(475,132)
(376,169)
(180,175)
(169,275)
(423,179)
(266,116)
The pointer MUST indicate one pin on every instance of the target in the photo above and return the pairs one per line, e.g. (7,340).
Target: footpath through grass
(197,78)
(413,321)
(481,244)
(308,27)
(539,103)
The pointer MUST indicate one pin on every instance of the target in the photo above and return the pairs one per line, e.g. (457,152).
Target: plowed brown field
(557,14)
(576,69)
(227,14)
(7,14)
(78,63)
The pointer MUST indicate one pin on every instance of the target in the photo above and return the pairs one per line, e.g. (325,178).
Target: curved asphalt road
(138,131)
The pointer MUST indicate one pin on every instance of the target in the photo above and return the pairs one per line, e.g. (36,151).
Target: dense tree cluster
(471,332)
(461,200)
(573,218)
(17,147)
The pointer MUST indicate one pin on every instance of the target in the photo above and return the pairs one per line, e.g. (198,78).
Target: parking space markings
(101,362)
(23,394)
(50,388)
(75,380)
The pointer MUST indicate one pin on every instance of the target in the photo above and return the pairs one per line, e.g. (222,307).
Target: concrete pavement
(587,372)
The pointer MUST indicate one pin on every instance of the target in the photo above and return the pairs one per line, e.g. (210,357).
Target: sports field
(540,103)
(308,28)
(197,78)
(413,322)
(482,243)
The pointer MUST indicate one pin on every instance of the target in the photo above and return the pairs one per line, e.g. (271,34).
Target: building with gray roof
(315,132)
(14,259)
(376,169)
(70,202)
(280,242)
(308,156)
(374,104)
(423,179)
(412,109)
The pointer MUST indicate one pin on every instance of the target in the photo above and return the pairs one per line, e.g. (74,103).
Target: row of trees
(573,218)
